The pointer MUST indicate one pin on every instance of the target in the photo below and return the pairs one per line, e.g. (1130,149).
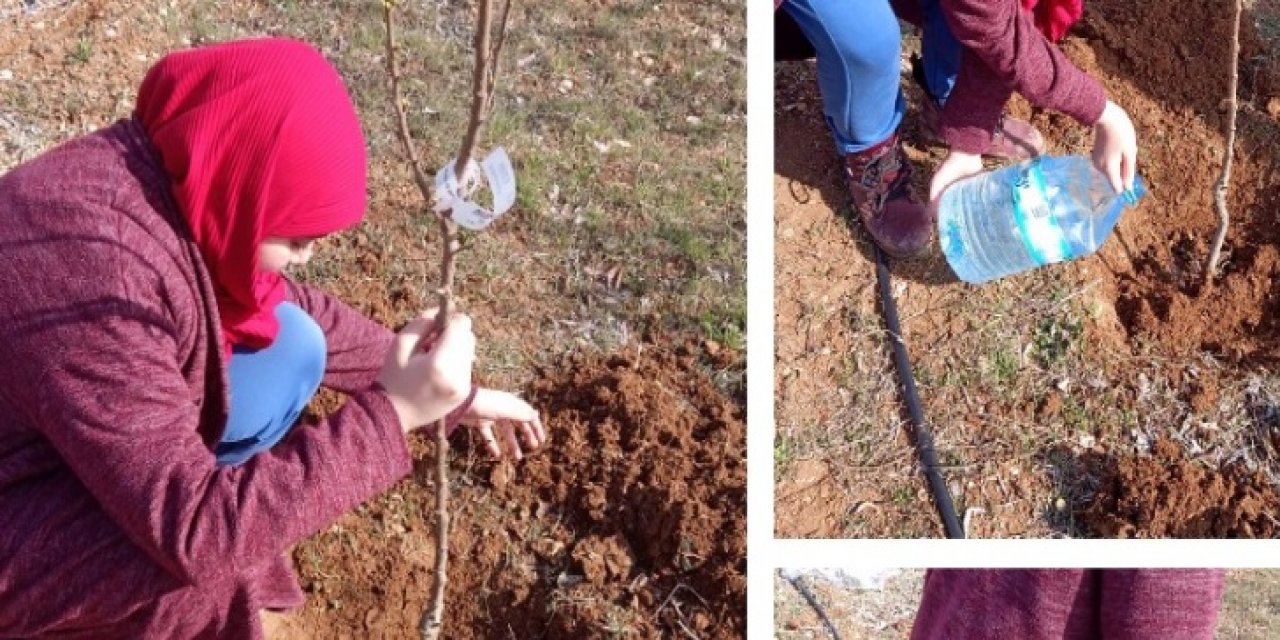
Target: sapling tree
(440,198)
(1224,178)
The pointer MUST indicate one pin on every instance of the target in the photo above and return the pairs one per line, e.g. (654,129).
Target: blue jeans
(941,52)
(270,387)
(858,47)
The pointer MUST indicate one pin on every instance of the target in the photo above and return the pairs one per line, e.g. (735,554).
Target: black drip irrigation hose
(920,431)
(817,606)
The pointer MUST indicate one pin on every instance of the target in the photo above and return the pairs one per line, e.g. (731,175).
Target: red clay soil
(1166,495)
(1167,64)
(631,521)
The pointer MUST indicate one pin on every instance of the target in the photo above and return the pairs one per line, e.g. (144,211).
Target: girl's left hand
(498,416)
(1115,147)
(957,166)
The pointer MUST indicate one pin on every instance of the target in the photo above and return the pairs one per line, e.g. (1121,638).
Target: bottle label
(1041,234)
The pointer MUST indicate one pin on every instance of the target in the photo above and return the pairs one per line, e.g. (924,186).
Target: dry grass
(857,613)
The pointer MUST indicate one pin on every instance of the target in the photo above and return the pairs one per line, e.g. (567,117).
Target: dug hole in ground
(1109,396)
(612,296)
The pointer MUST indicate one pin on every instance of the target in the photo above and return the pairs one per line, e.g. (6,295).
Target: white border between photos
(760,426)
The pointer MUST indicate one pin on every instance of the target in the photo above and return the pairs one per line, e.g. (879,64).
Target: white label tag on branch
(447,188)
(499,176)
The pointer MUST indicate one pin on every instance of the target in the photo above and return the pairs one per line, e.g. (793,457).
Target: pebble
(6,75)
(1273,107)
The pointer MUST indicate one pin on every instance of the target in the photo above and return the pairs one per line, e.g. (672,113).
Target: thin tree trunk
(486,56)
(1224,179)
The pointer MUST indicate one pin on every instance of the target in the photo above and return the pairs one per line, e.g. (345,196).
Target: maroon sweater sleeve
(118,411)
(1004,52)
(93,361)
(357,346)
(1138,604)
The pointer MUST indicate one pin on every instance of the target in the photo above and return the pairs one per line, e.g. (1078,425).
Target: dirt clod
(602,559)
(1165,494)
(647,477)
(630,523)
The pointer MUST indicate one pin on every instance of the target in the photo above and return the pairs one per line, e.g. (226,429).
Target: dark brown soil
(1175,53)
(1167,495)
(631,521)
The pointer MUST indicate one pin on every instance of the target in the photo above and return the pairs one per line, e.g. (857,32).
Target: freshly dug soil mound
(1167,62)
(630,523)
(1166,495)
(647,476)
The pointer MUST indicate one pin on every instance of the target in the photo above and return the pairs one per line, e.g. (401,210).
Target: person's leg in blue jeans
(270,387)
(941,52)
(858,47)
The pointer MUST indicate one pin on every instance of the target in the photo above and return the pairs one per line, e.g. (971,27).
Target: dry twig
(1224,179)
(486,57)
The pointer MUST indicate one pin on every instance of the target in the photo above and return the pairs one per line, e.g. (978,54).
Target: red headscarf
(1054,17)
(260,139)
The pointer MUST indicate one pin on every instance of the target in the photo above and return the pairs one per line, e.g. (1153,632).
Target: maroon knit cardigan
(1069,604)
(115,522)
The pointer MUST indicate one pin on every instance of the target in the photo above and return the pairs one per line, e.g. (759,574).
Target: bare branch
(1224,179)
(433,617)
(479,91)
(432,621)
(406,138)
(486,57)
(500,39)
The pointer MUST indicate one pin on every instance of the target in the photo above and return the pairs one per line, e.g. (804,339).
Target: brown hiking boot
(879,181)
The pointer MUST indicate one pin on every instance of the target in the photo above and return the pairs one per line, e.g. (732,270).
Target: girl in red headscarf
(155,357)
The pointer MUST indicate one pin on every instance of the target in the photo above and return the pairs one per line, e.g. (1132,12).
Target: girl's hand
(957,166)
(425,385)
(498,416)
(1115,147)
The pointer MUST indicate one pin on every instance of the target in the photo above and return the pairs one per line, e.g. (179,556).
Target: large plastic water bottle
(1045,210)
